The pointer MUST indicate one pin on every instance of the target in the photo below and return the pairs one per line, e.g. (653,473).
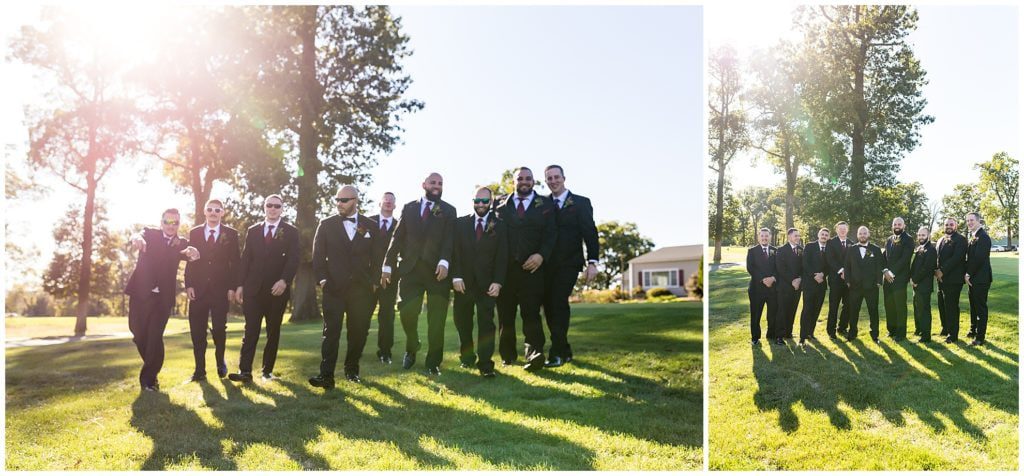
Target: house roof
(671,253)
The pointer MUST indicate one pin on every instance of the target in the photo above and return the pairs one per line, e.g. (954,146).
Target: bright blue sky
(971,54)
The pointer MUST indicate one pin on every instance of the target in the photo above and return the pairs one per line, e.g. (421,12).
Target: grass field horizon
(631,400)
(860,405)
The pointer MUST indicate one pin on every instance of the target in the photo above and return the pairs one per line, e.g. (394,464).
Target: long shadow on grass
(173,430)
(31,373)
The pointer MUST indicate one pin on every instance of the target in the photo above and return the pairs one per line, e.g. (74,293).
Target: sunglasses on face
(273,205)
(214,210)
(170,222)
(484,201)
(343,199)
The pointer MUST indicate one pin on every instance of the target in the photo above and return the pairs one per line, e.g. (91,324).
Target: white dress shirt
(561,198)
(216,232)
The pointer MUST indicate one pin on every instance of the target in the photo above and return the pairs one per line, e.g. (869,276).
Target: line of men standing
(524,254)
(850,273)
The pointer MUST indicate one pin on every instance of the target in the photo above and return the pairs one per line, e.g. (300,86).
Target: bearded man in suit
(761,292)
(863,272)
(978,277)
(898,250)
(950,273)
(922,279)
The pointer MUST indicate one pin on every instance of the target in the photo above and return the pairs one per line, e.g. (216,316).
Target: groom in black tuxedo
(478,273)
(424,240)
(952,267)
(896,274)
(863,272)
(386,297)
(151,289)
(761,292)
(838,289)
(347,251)
(789,271)
(978,276)
(210,284)
(815,268)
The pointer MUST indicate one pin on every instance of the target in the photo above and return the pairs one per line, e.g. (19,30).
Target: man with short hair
(210,283)
(978,276)
(479,267)
(424,241)
(922,279)
(898,249)
(761,267)
(151,289)
(574,216)
(815,268)
(789,270)
(952,267)
(386,296)
(269,262)
(863,272)
(838,289)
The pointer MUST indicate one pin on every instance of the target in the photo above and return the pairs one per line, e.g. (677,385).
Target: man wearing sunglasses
(348,249)
(478,271)
(424,241)
(269,262)
(210,284)
(575,218)
(151,289)
(386,297)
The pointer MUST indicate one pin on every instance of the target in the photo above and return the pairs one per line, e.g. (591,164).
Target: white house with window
(668,267)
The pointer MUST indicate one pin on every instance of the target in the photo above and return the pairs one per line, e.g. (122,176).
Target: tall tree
(963,200)
(89,125)
(755,202)
(727,131)
(1000,188)
(620,242)
(866,89)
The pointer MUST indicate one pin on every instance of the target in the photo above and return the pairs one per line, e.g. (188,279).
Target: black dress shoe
(434,370)
(875,340)
(507,362)
(897,339)
(196,378)
(385,359)
(951,340)
(534,365)
(268,376)
(222,370)
(322,382)
(851,337)
(240,377)
(833,337)
(779,341)
(408,361)
(487,373)
(943,333)
(465,365)
(924,340)
(755,342)
(917,333)
(150,388)
(977,342)
(554,361)
(971,334)
(353,378)
(568,359)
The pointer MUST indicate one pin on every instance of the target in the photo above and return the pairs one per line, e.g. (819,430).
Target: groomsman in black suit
(270,260)
(898,250)
(922,278)
(952,267)
(815,267)
(210,284)
(575,218)
(863,272)
(424,240)
(386,296)
(789,270)
(978,276)
(532,234)
(348,249)
(479,265)
(838,290)
(151,289)
(761,267)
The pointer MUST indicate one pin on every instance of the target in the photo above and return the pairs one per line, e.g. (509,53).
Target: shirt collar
(561,198)
(354,216)
(478,217)
(527,198)
(274,223)
(215,230)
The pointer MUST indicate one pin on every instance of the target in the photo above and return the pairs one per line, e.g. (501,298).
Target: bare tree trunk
(719,211)
(85,272)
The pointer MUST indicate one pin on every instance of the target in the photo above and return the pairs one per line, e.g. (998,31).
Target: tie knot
(351,219)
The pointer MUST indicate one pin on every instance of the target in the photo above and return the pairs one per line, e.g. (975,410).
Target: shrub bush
(658,292)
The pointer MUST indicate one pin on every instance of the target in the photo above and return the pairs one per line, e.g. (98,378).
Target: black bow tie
(351,219)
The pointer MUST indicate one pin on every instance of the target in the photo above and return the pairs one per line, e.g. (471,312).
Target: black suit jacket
(898,251)
(952,250)
(415,239)
(760,266)
(263,265)
(922,267)
(480,263)
(157,267)
(536,232)
(346,263)
(576,226)
(814,261)
(979,264)
(866,272)
(216,270)
(789,264)
(835,255)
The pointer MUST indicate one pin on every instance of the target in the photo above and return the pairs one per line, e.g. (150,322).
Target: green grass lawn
(860,405)
(631,400)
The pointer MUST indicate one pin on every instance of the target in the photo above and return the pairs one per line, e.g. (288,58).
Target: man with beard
(478,272)
(863,271)
(532,234)
(789,270)
(838,289)
(978,276)
(815,268)
(347,253)
(424,240)
(922,277)
(898,250)
(761,267)
(575,218)
(386,297)
(952,267)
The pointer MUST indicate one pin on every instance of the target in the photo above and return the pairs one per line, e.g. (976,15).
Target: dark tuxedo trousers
(147,318)
(923,312)
(465,304)
(412,287)
(895,295)
(977,295)
(208,308)
(814,298)
(949,307)
(560,281)
(256,308)
(789,299)
(761,296)
(859,296)
(385,302)
(838,295)
(354,308)
(525,290)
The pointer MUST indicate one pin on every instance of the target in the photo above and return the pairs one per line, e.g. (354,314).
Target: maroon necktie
(426,212)
(520,210)
(479,228)
(269,236)
(384,226)
(210,240)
